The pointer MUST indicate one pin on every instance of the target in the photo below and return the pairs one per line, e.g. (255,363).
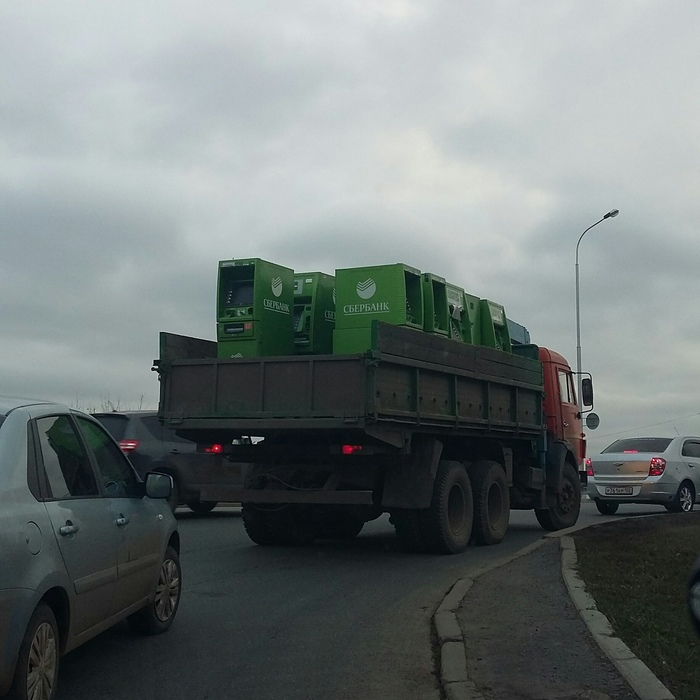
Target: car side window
(691,449)
(118,477)
(66,463)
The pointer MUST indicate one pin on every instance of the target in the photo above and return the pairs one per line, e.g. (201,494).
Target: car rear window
(115,425)
(639,445)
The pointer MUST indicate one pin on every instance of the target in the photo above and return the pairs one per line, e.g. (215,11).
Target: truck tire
(491,503)
(447,524)
(296,526)
(340,525)
(409,529)
(566,509)
(256,522)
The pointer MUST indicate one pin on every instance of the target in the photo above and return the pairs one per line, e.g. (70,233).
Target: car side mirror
(158,485)
(587,391)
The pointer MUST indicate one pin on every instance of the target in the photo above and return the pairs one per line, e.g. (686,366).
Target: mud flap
(556,457)
(410,484)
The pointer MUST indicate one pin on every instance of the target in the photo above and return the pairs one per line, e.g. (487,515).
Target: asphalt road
(335,620)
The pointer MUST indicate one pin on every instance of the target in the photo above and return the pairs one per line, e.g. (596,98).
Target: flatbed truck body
(341,439)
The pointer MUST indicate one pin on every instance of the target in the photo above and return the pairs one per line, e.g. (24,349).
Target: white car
(659,470)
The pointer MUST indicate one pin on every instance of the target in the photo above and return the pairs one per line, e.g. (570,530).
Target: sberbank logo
(277,286)
(366,289)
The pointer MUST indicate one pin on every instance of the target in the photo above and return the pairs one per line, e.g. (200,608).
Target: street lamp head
(612,213)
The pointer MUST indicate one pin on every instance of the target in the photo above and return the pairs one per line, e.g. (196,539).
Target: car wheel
(202,507)
(160,612)
(606,507)
(37,664)
(685,498)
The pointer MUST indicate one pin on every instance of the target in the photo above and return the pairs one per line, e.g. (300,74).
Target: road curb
(640,677)
(454,675)
(453,658)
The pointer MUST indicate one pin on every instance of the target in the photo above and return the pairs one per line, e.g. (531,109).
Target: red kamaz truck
(446,437)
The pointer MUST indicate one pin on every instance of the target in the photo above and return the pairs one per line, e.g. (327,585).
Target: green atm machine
(436,315)
(494,326)
(463,312)
(390,293)
(314,313)
(255,301)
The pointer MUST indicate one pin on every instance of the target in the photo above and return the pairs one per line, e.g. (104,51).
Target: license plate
(618,490)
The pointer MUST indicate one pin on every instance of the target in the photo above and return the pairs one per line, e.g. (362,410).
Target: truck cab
(560,403)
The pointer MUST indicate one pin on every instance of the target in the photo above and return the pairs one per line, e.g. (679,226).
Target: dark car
(151,446)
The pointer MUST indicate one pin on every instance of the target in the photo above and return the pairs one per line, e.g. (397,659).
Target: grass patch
(637,570)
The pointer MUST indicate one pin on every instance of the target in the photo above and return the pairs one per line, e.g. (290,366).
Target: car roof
(10,403)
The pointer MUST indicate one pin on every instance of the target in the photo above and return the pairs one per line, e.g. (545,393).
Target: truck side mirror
(587,391)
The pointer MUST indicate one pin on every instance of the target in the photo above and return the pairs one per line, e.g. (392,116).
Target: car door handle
(566,425)
(121,521)
(690,464)
(68,529)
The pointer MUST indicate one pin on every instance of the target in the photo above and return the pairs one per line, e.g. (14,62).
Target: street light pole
(611,214)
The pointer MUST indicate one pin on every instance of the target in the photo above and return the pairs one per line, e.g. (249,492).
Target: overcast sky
(142,142)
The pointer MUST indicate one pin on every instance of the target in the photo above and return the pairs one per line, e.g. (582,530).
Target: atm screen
(240,293)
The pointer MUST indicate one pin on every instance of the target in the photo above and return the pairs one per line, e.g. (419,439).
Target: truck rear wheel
(447,524)
(564,513)
(340,525)
(491,503)
(256,522)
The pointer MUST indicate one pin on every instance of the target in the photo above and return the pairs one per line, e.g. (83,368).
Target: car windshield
(638,445)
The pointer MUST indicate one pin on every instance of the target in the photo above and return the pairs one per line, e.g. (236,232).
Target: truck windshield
(639,445)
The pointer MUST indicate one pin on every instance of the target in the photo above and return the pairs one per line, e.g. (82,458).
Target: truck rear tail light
(351,449)
(215,449)
(589,467)
(128,445)
(657,466)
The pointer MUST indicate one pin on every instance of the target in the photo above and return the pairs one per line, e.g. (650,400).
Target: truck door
(570,422)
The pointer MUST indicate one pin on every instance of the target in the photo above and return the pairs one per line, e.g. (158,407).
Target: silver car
(646,470)
(85,543)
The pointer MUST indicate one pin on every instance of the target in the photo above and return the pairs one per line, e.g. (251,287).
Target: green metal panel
(314,313)
(436,315)
(255,299)
(390,293)
(494,326)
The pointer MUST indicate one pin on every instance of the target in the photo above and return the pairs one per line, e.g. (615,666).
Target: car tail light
(657,466)
(215,449)
(589,467)
(128,445)
(351,449)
